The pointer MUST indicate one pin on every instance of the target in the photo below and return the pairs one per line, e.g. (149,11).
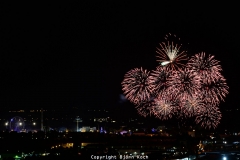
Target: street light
(20,123)
(34,123)
(6,124)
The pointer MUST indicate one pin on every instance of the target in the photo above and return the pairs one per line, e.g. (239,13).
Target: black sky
(76,54)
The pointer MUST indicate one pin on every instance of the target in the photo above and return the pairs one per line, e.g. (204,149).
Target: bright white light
(165,63)
(172,52)
(224,158)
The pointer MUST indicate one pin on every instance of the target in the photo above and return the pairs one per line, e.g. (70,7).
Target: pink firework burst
(183,84)
(192,105)
(214,91)
(170,53)
(144,109)
(136,85)
(209,117)
(163,108)
(158,80)
(206,67)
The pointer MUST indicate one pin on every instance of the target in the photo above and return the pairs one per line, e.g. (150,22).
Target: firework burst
(163,108)
(144,108)
(206,67)
(194,90)
(170,54)
(136,85)
(184,83)
(215,91)
(158,80)
(209,117)
(192,105)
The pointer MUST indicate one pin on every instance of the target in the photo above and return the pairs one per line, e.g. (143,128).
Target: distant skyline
(76,54)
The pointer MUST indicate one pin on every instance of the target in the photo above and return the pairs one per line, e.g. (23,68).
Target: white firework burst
(170,54)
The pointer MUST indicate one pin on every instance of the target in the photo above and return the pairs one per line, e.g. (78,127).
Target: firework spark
(170,54)
(136,85)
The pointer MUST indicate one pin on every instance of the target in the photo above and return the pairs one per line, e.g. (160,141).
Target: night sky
(76,54)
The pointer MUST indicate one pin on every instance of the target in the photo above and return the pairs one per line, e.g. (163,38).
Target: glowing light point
(165,63)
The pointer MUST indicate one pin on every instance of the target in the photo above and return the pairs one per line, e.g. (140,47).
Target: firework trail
(170,54)
(136,85)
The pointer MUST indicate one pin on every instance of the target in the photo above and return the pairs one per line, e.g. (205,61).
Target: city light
(34,123)
(6,124)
